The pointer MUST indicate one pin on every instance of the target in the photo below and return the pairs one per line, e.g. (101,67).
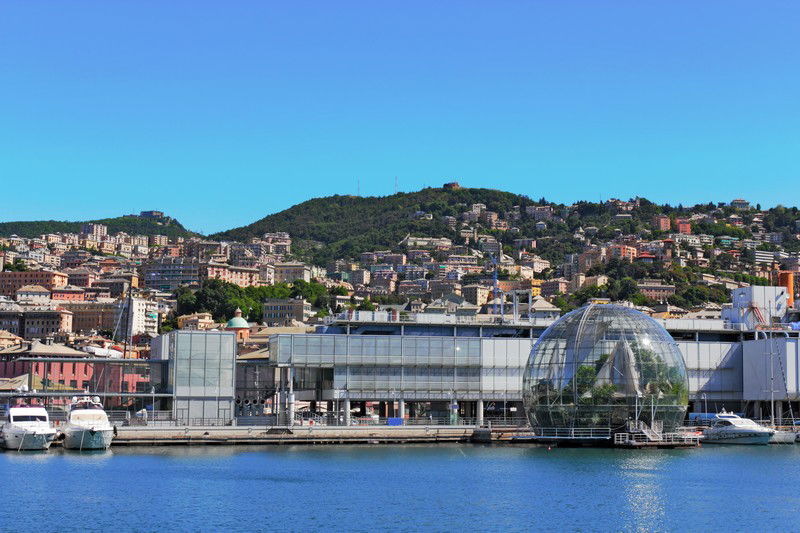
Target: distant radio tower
(358,187)
(395,184)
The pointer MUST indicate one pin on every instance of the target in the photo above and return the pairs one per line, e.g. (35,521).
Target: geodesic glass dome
(601,366)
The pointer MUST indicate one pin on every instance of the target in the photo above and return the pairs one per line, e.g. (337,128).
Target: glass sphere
(602,366)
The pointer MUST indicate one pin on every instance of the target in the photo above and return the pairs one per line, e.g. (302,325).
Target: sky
(220,113)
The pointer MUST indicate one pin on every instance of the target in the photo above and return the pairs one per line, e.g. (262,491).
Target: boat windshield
(29,418)
(88,416)
(87,405)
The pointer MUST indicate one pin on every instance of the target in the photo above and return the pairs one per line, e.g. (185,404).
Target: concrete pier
(233,435)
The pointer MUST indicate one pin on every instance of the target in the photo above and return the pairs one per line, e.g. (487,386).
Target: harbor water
(402,488)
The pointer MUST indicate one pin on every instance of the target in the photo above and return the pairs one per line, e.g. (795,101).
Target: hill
(334,227)
(324,229)
(131,224)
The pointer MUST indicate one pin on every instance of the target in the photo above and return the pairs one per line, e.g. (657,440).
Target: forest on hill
(130,224)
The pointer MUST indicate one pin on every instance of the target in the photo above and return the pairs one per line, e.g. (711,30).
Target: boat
(87,426)
(781,436)
(27,427)
(729,428)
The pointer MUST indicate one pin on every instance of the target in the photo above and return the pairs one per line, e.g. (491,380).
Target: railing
(621,439)
(258,420)
(433,318)
(505,421)
(573,433)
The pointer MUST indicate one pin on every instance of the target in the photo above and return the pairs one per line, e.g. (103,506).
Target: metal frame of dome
(603,366)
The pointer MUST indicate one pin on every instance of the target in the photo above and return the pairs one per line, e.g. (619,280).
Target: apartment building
(11,282)
(238,275)
(289,272)
(280,312)
(168,273)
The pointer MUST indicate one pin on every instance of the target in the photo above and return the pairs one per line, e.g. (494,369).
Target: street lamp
(705,400)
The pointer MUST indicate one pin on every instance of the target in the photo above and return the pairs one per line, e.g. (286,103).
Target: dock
(277,435)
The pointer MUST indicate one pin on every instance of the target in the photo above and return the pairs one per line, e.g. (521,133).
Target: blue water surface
(402,488)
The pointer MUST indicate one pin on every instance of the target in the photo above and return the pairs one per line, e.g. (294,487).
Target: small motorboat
(27,427)
(729,428)
(87,426)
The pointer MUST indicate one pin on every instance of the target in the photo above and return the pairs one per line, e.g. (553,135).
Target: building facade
(11,282)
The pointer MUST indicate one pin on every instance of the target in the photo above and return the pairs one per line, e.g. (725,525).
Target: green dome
(237,322)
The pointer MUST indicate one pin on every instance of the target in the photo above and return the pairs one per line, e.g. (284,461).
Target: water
(401,488)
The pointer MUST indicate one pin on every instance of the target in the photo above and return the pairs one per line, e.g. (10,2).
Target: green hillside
(133,225)
(323,229)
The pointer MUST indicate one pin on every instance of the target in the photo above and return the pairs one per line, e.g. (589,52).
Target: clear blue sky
(222,112)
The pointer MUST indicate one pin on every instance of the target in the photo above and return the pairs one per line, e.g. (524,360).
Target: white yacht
(87,426)
(729,428)
(782,436)
(27,428)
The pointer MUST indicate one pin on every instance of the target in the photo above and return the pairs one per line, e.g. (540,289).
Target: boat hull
(739,438)
(28,441)
(783,437)
(87,439)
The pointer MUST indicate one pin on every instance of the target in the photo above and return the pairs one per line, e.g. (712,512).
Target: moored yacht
(27,428)
(87,426)
(783,436)
(729,428)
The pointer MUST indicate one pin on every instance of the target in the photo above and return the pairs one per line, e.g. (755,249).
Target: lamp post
(705,401)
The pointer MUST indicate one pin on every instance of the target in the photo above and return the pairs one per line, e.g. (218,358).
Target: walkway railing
(573,433)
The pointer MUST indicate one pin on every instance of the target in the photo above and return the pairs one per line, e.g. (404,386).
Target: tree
(17,266)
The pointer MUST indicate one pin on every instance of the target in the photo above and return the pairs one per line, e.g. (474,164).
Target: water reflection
(643,491)
(86,456)
(26,456)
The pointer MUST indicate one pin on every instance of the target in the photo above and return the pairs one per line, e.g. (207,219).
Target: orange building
(241,276)
(11,282)
(684,226)
(661,222)
(68,293)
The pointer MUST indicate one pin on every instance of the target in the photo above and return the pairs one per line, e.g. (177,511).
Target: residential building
(45,322)
(442,287)
(81,277)
(90,317)
(157,240)
(684,225)
(476,294)
(33,294)
(279,312)
(196,321)
(552,287)
(168,273)
(360,277)
(289,272)
(656,289)
(661,223)
(68,293)
(238,275)
(137,316)
(11,282)
(96,231)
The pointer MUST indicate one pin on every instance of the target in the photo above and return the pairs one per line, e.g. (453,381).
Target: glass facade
(601,366)
(202,373)
(408,366)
